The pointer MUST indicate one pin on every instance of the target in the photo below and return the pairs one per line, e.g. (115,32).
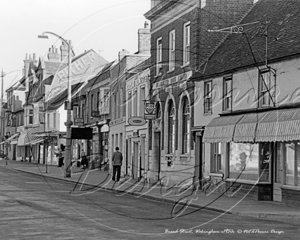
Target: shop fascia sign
(138,79)
(81,70)
(173,80)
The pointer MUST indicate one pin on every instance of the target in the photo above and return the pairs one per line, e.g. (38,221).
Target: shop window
(171,127)
(227,94)
(292,176)
(208,97)
(244,161)
(185,126)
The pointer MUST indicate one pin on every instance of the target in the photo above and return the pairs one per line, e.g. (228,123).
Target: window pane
(290,158)
(243,161)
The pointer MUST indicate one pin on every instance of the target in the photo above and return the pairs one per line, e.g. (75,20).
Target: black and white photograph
(149,119)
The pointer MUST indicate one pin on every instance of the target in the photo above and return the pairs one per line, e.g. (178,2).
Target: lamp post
(68,150)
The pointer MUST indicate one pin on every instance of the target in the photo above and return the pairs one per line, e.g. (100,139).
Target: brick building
(180,43)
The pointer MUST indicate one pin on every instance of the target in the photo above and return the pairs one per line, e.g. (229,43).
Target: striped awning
(280,126)
(221,129)
(28,136)
(245,129)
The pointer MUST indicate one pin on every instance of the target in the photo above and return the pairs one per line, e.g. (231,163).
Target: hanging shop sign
(149,110)
(136,121)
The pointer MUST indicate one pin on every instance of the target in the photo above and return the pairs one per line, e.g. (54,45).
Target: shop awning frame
(279,126)
(221,129)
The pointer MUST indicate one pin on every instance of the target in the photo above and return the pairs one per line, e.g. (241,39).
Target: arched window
(185,125)
(171,127)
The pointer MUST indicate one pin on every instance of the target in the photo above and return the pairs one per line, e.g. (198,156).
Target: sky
(106,26)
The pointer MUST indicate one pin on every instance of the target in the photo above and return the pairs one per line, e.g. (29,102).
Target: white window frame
(227,94)
(172,50)
(267,85)
(30,116)
(208,96)
(186,43)
(158,55)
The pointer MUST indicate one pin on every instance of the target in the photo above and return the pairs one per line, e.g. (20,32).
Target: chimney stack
(123,53)
(144,38)
(64,52)
(53,55)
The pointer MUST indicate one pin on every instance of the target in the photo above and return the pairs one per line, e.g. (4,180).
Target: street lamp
(68,151)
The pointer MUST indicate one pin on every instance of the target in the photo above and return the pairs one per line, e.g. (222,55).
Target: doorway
(135,160)
(156,156)
(198,175)
(278,170)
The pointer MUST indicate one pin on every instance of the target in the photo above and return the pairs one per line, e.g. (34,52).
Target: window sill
(290,187)
(170,71)
(227,111)
(252,182)
(185,65)
(207,114)
(220,175)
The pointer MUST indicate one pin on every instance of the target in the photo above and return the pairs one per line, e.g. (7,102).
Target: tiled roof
(57,101)
(283,18)
(52,67)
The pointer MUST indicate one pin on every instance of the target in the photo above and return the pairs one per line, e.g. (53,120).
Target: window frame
(227,93)
(186,123)
(186,43)
(172,50)
(266,88)
(216,158)
(171,127)
(158,55)
(207,97)
(30,116)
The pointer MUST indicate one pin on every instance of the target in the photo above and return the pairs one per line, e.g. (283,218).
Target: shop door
(198,161)
(278,171)
(135,160)
(156,155)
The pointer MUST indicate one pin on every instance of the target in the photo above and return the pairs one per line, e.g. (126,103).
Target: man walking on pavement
(117,159)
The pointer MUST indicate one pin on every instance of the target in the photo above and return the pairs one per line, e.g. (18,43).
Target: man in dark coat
(117,159)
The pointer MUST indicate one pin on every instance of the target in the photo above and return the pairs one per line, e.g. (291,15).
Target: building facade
(180,43)
(249,107)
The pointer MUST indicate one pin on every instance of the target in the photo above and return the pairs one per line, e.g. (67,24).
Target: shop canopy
(245,129)
(221,129)
(28,137)
(279,126)
(273,126)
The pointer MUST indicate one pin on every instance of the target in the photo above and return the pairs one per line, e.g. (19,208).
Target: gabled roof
(283,39)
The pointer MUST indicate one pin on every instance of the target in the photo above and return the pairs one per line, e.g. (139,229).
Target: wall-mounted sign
(136,121)
(78,121)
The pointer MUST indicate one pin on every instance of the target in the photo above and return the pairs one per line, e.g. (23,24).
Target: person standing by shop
(84,162)
(117,159)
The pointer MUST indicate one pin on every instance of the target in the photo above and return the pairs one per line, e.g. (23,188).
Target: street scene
(150,119)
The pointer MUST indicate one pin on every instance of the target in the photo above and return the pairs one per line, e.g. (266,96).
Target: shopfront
(257,153)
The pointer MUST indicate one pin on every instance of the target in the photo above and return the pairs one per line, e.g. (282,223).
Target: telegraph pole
(1,107)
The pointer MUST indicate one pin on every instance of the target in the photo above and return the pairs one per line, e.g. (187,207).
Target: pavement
(179,196)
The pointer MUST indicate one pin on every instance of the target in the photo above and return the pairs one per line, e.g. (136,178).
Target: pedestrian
(84,162)
(61,154)
(117,159)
